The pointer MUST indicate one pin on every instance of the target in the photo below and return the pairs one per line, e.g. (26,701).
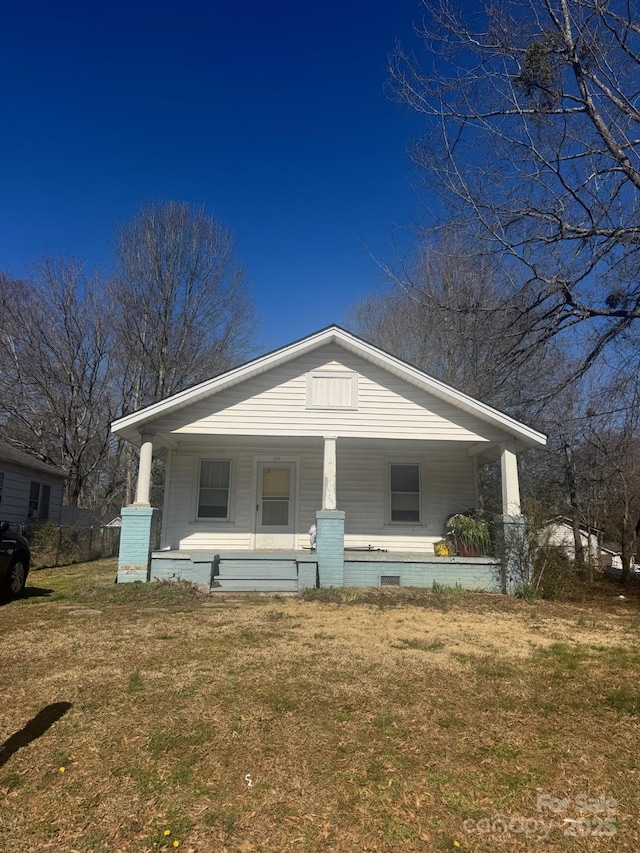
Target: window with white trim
(332,389)
(39,500)
(214,489)
(404,493)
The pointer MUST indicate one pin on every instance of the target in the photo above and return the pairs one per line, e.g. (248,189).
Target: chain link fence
(53,545)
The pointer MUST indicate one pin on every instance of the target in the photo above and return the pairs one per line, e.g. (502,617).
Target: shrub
(553,571)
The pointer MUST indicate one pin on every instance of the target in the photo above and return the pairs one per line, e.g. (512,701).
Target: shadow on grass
(29,592)
(36,727)
(36,592)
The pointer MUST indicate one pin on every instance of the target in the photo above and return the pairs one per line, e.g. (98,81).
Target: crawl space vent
(389,580)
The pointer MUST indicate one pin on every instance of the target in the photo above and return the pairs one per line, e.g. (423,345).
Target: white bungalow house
(329,430)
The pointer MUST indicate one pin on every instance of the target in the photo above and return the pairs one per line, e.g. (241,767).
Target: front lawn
(138,716)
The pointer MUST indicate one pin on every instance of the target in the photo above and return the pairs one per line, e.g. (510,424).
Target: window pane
(402,500)
(275,482)
(405,515)
(44,503)
(405,507)
(405,493)
(213,500)
(215,474)
(34,500)
(213,503)
(275,513)
(405,478)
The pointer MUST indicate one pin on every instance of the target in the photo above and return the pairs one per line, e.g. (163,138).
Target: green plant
(527,592)
(553,571)
(135,681)
(464,529)
(624,701)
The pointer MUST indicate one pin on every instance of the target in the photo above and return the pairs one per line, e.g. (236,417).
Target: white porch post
(137,534)
(329,500)
(510,482)
(330,522)
(143,487)
(515,557)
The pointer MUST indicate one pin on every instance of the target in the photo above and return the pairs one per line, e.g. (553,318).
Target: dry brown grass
(375,721)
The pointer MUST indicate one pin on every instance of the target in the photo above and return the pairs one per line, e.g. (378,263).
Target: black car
(14,562)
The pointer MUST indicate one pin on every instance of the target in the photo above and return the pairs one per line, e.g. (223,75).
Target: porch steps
(262,573)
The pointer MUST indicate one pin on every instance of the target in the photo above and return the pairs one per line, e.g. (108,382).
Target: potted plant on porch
(444,548)
(469,533)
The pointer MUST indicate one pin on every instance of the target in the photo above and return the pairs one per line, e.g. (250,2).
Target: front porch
(294,571)
(226,554)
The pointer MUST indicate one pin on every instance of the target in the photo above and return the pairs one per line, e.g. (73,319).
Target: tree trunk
(573,500)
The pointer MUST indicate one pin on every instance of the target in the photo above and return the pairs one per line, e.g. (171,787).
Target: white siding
(561,535)
(275,403)
(448,485)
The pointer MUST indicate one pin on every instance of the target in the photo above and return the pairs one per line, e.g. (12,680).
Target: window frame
(328,374)
(36,513)
(229,519)
(415,463)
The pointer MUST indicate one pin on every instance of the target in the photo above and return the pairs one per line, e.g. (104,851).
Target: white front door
(276,505)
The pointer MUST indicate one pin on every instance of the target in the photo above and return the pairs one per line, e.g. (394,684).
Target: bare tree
(452,313)
(533,142)
(55,370)
(610,462)
(182,307)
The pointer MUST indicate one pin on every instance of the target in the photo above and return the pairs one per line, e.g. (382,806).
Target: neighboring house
(559,533)
(329,429)
(611,561)
(30,490)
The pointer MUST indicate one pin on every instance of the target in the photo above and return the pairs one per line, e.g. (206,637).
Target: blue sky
(273,115)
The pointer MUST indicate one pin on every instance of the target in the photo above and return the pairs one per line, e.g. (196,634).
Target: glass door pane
(276,495)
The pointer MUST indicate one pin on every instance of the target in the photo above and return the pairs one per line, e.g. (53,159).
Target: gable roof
(565,521)
(131,425)
(11,454)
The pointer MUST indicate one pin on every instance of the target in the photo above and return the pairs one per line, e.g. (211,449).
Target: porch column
(143,486)
(329,473)
(330,523)
(137,533)
(513,546)
(510,482)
